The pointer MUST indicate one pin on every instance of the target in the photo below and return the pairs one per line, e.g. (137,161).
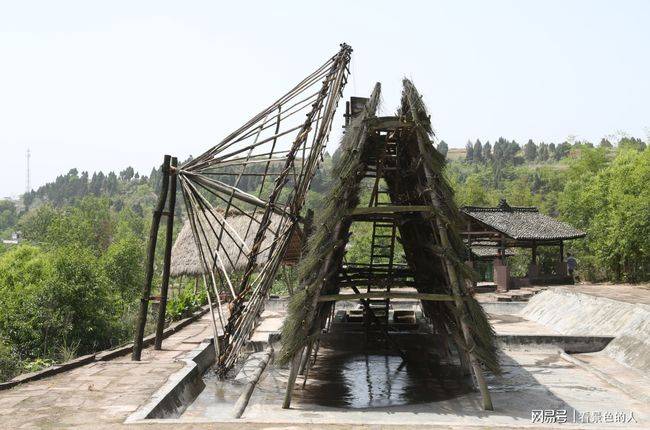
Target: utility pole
(28,187)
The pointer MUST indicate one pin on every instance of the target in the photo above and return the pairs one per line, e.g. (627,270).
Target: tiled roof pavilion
(521,223)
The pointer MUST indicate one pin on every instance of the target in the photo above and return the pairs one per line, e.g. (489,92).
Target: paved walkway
(621,292)
(100,394)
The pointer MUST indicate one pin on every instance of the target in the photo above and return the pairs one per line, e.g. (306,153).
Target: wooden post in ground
(305,358)
(291,381)
(169,236)
(151,253)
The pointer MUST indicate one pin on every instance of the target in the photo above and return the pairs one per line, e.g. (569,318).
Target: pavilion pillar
(500,270)
(560,268)
(533,268)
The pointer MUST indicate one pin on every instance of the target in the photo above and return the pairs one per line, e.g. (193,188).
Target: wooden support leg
(287,280)
(151,251)
(464,360)
(293,374)
(169,237)
(305,358)
(482,385)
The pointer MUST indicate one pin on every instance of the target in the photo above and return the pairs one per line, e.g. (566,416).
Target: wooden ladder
(382,247)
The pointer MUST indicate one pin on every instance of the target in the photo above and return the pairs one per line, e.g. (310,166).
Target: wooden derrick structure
(263,171)
(411,203)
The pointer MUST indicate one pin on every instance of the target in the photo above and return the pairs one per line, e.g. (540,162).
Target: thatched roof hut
(186,259)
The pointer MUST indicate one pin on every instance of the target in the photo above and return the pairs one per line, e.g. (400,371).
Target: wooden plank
(386,295)
(388,210)
(388,123)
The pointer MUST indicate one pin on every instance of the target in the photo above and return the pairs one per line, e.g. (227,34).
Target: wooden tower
(411,204)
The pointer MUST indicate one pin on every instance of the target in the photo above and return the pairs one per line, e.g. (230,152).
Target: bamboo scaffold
(262,171)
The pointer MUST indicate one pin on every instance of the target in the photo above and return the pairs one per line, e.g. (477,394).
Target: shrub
(186,303)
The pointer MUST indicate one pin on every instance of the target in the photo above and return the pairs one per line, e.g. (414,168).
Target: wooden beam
(388,210)
(149,268)
(388,123)
(169,237)
(386,295)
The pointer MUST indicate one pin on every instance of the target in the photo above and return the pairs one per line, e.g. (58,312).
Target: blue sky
(100,86)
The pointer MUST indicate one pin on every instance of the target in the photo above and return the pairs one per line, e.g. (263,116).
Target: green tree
(8,215)
(562,150)
(443,148)
(487,151)
(35,223)
(89,224)
(530,151)
(122,267)
(610,201)
(469,152)
(478,152)
(604,143)
(631,143)
(542,153)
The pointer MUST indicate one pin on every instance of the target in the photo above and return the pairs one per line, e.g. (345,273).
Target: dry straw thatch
(186,260)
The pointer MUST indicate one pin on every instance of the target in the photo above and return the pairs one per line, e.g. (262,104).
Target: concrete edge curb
(181,387)
(605,378)
(99,356)
(570,343)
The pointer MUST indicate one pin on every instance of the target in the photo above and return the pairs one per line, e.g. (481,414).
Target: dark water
(367,380)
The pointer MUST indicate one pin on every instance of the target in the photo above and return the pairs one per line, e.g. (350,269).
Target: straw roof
(186,260)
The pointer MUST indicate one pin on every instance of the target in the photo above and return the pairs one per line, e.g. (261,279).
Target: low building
(492,233)
(14,240)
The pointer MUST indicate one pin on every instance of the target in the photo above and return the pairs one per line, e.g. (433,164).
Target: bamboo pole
(245,396)
(305,358)
(215,332)
(151,254)
(169,237)
(291,381)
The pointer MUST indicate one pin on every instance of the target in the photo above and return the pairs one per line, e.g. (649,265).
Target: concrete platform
(103,394)
(540,381)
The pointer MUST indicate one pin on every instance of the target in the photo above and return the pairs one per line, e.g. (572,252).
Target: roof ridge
(499,209)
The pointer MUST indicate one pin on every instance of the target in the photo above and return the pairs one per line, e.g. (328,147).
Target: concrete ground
(104,394)
(530,381)
(101,394)
(622,292)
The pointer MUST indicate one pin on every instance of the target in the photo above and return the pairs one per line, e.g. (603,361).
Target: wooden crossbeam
(388,123)
(386,295)
(388,210)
